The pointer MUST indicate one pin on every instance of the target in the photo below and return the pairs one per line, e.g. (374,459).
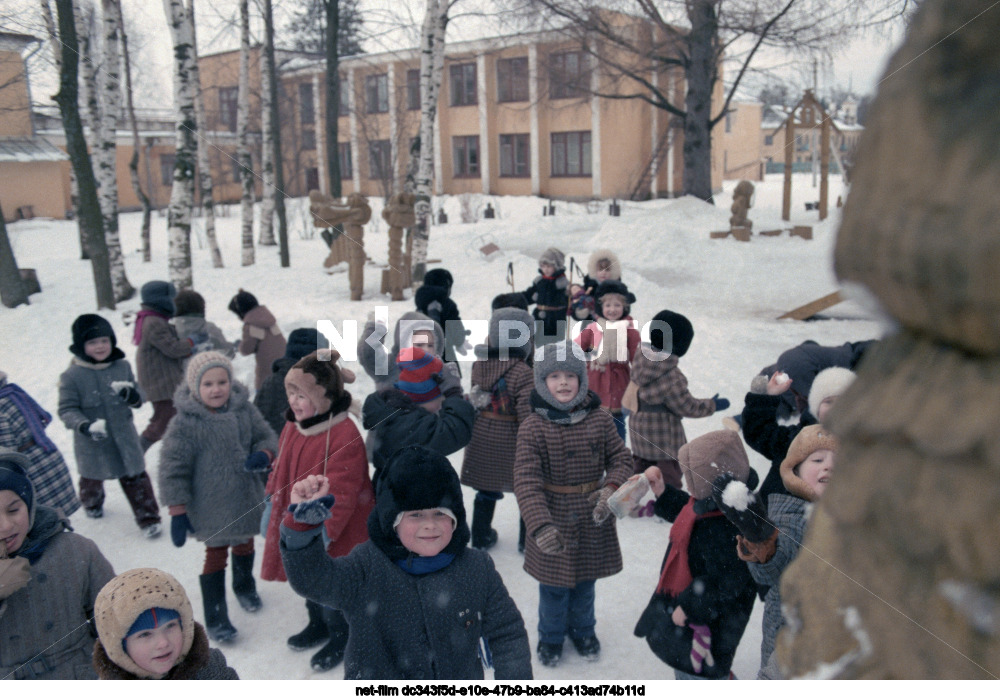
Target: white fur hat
(832,381)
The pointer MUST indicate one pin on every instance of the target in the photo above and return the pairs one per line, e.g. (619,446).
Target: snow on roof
(27,150)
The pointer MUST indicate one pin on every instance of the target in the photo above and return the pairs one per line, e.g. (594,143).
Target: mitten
(180,526)
(743,508)
(701,647)
(602,511)
(15,573)
(96,430)
(312,512)
(480,398)
(449,380)
(130,395)
(549,540)
(257,462)
(720,404)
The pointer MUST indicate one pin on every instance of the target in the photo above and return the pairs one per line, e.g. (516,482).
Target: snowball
(117,385)
(781,378)
(98,427)
(737,496)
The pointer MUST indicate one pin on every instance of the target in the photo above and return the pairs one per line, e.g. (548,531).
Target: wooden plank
(814,307)
(718,234)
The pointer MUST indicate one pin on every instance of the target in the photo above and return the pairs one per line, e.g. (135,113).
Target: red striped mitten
(701,647)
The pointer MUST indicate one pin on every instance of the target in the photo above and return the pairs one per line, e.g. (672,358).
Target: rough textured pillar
(398,213)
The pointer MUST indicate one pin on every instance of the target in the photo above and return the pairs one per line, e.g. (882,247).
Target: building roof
(28,150)
(12,41)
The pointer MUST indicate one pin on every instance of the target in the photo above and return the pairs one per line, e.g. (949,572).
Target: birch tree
(266,155)
(204,166)
(243,137)
(274,132)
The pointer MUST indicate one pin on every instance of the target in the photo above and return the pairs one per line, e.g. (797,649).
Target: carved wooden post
(786,195)
(328,213)
(824,167)
(360,215)
(399,214)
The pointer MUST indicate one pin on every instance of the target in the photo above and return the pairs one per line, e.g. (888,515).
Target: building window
(465,156)
(167,169)
(345,98)
(346,166)
(413,89)
(515,155)
(769,140)
(571,154)
(463,84)
(307,107)
(377,93)
(237,168)
(512,79)
(312,179)
(567,75)
(227,107)
(309,139)
(379,160)
(729,122)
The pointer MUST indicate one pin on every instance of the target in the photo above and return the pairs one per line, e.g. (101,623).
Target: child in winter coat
(49,578)
(612,341)
(22,430)
(159,360)
(420,603)
(569,460)
(320,438)
(705,595)
(549,295)
(96,397)
(146,631)
(425,407)
(433,299)
(655,428)
(602,266)
(514,300)
(189,320)
(502,381)
(413,330)
(272,399)
(261,336)
(213,467)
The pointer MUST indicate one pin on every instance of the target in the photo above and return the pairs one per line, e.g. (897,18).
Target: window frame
(228,107)
(346,163)
(307,105)
(469,86)
(377,85)
(583,145)
(377,152)
(512,81)
(413,89)
(562,85)
(514,144)
(465,162)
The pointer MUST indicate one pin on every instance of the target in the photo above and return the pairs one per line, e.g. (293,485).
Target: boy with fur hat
(272,399)
(420,603)
(320,438)
(413,329)
(663,399)
(569,460)
(97,394)
(705,595)
(189,320)
(213,466)
(146,630)
(49,579)
(424,407)
(602,266)
(262,337)
(502,381)
(549,295)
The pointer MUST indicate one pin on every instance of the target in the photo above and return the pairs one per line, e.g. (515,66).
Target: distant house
(844,138)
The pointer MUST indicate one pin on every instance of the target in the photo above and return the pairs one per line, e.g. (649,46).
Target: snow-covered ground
(733,293)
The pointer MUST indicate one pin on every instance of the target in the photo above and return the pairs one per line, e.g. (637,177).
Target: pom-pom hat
(710,455)
(416,374)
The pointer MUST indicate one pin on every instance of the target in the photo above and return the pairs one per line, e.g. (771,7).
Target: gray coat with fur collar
(201,466)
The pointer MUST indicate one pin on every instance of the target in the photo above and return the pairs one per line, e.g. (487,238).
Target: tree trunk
(333,96)
(700,78)
(182,194)
(279,178)
(90,209)
(266,156)
(12,290)
(204,166)
(431,71)
(243,137)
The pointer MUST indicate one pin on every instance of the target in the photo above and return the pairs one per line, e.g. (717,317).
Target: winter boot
(522,533)
(316,632)
(333,651)
(549,654)
(244,586)
(483,536)
(213,594)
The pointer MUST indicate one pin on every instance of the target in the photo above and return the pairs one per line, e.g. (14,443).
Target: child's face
(158,649)
(214,387)
(98,349)
(301,405)
(816,469)
(548,269)
(603,271)
(824,407)
(425,532)
(612,308)
(563,385)
(424,340)
(14,519)
(432,406)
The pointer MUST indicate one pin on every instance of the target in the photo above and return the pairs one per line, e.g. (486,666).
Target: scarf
(676,574)
(142,316)
(34,415)
(555,415)
(49,522)
(425,565)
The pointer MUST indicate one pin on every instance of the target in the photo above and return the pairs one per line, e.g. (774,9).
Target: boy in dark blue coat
(434,300)
(550,295)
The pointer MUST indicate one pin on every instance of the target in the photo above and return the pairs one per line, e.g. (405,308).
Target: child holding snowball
(97,394)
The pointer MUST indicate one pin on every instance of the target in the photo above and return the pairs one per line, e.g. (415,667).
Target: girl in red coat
(320,438)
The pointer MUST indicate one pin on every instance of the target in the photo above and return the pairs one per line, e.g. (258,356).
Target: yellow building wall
(31,185)
(14,104)
(739,145)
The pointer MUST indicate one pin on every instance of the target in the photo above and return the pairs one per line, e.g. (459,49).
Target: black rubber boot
(316,632)
(483,536)
(244,586)
(333,651)
(213,594)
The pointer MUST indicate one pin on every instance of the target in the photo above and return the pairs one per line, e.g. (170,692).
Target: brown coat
(659,434)
(488,464)
(567,455)
(159,361)
(262,338)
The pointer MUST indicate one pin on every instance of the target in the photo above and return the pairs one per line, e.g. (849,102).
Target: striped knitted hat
(416,374)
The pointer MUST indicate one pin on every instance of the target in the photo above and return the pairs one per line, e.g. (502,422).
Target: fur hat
(614,266)
(243,303)
(708,456)
(159,296)
(512,325)
(566,356)
(832,381)
(189,303)
(14,468)
(681,333)
(439,277)
(514,300)
(127,597)
(201,363)
(90,326)
(810,439)
(614,287)
(322,381)
(554,257)
(303,341)
(416,375)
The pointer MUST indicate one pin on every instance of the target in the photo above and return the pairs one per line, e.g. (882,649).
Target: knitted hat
(514,300)
(594,264)
(14,477)
(566,356)
(832,381)
(243,303)
(810,439)
(554,257)
(439,277)
(515,327)
(189,302)
(201,363)
(708,456)
(128,597)
(614,287)
(159,296)
(322,381)
(414,322)
(87,327)
(416,370)
(303,341)
(680,337)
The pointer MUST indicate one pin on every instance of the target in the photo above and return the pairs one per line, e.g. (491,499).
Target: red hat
(416,374)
